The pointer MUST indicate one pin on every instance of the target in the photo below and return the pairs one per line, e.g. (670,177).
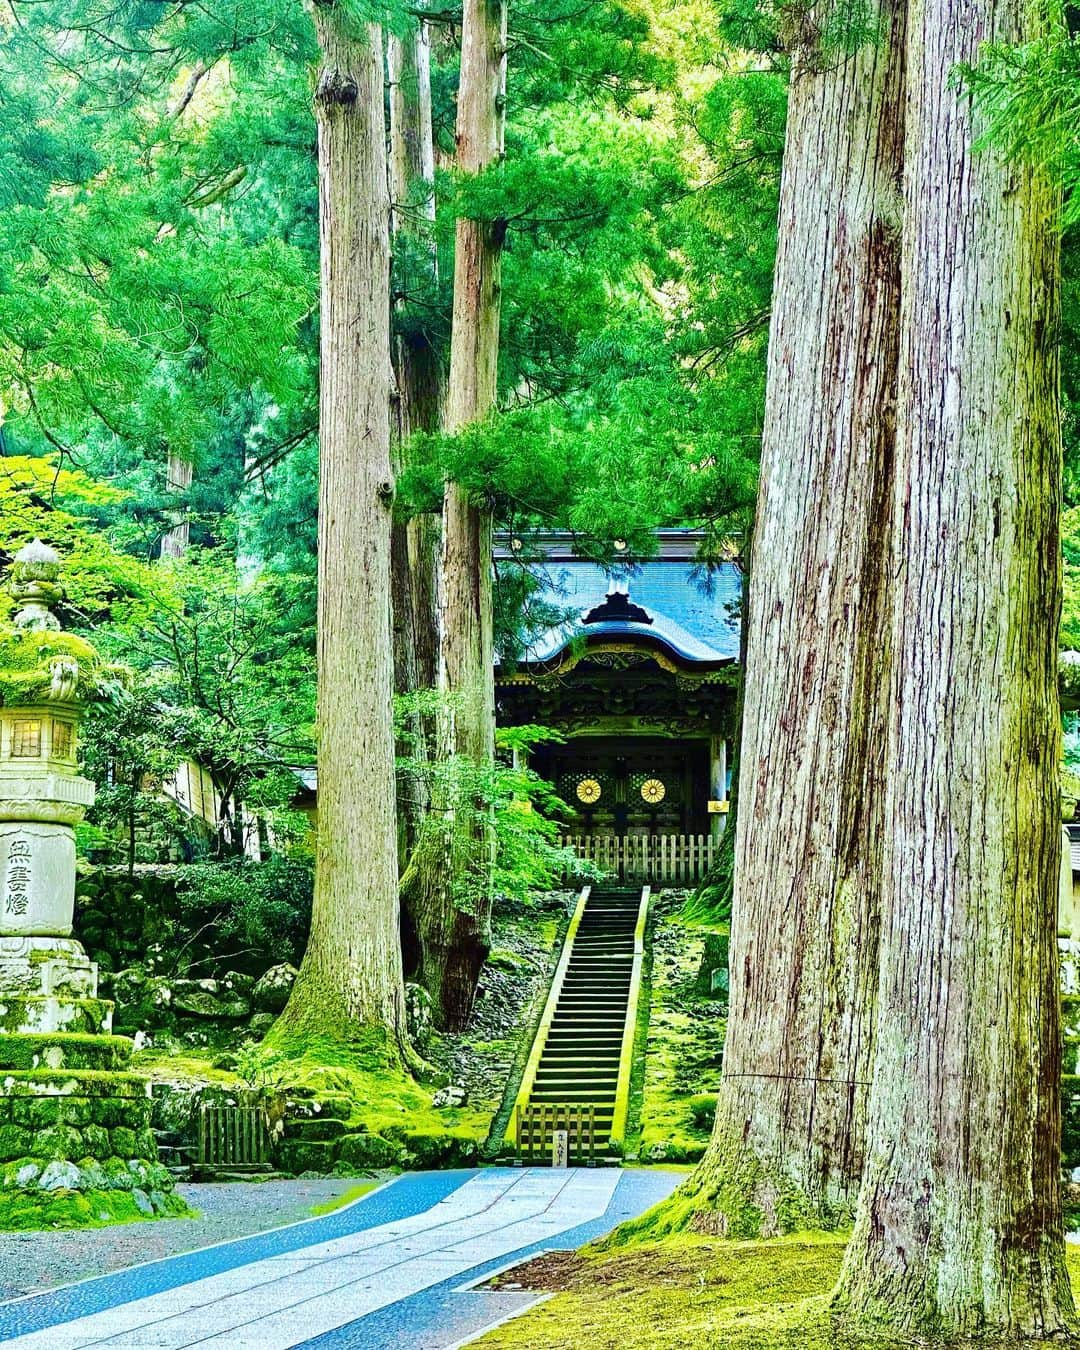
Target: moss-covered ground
(340,1201)
(692,1291)
(351,1107)
(684,1044)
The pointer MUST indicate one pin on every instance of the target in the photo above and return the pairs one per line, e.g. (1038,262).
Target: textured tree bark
(179,474)
(959,1228)
(454,918)
(419,391)
(466,655)
(350,982)
(787,1147)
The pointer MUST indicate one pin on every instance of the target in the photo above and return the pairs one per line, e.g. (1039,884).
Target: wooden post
(717,782)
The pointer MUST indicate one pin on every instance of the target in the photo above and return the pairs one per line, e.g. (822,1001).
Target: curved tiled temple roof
(667,603)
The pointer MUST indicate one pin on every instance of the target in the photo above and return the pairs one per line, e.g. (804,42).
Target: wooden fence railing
(662,859)
(534,1125)
(234,1138)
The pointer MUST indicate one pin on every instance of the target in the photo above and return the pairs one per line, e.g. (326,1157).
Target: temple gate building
(635,664)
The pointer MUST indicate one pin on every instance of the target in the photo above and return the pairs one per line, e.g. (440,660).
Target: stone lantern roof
(39,663)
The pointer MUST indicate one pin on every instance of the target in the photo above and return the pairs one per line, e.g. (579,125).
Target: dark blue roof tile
(694,612)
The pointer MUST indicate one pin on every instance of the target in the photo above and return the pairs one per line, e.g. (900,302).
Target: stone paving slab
(381,1279)
(402,1197)
(452,1312)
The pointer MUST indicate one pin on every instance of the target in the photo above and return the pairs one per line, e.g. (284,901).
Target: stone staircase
(579,1062)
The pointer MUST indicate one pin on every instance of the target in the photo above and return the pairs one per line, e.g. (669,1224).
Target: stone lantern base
(76,1145)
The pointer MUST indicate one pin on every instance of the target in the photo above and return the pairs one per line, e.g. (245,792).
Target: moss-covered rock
(316,1129)
(21,1209)
(334,1105)
(15,1142)
(208,998)
(122,1141)
(298,1155)
(57,1142)
(271,992)
(368,1151)
(426,1151)
(96,1138)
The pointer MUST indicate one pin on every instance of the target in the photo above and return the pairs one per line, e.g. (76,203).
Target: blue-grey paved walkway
(385,1271)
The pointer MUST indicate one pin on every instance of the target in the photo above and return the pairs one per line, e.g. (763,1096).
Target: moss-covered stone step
(109,1112)
(72,1083)
(305,1155)
(88,1140)
(48,1014)
(63,1051)
(336,1106)
(316,1129)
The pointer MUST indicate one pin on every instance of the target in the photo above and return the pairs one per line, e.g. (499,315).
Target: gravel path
(33,1261)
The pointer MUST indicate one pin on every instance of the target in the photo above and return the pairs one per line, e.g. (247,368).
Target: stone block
(22,1051)
(55,1013)
(57,1142)
(123,1142)
(15,1142)
(96,1141)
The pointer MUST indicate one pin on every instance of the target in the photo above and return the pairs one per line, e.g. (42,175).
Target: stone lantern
(75,1139)
(46,981)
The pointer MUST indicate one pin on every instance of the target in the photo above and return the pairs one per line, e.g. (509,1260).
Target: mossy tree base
(697,1291)
(733,1193)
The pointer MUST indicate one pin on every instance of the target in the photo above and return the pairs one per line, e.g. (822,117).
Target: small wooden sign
(560,1148)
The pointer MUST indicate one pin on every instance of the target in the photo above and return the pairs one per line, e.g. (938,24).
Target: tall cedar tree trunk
(350,979)
(179,474)
(446,889)
(959,1226)
(787,1146)
(419,390)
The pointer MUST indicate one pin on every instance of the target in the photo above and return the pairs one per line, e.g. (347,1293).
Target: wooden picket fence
(662,859)
(535,1123)
(234,1139)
